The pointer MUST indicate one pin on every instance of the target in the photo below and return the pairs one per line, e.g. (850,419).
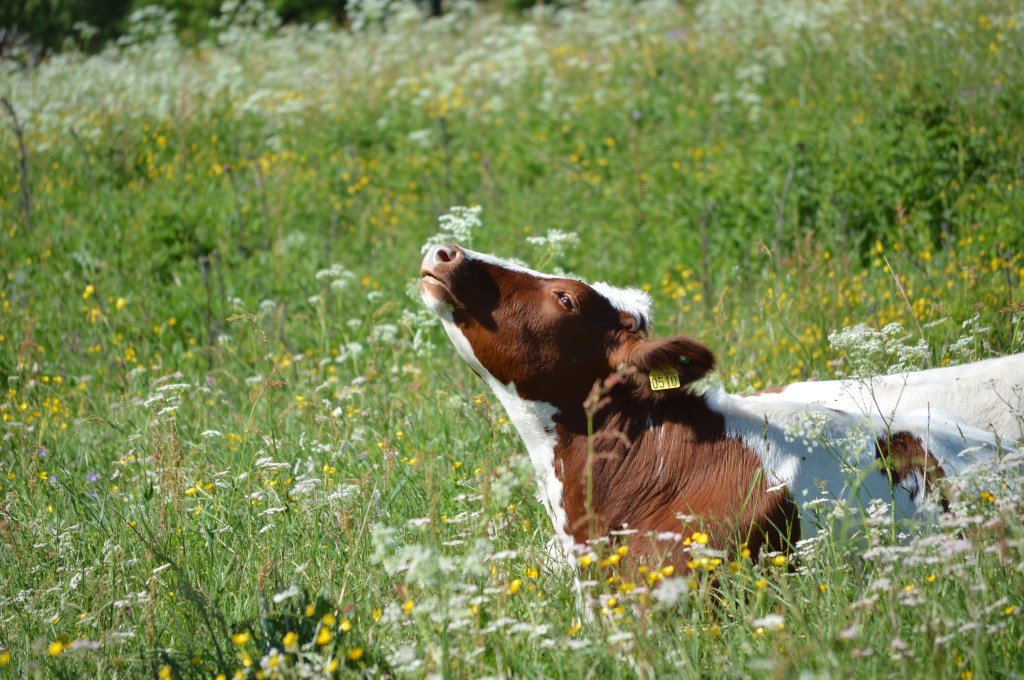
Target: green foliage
(54,25)
(50,23)
(220,403)
(192,17)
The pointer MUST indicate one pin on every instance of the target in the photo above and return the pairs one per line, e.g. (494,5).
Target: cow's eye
(566,301)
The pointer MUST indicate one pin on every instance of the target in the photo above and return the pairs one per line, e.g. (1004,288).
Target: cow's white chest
(535,422)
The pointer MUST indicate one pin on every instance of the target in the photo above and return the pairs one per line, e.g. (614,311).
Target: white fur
(436,305)
(985,394)
(632,301)
(505,264)
(813,450)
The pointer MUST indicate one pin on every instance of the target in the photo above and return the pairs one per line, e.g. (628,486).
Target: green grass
(225,418)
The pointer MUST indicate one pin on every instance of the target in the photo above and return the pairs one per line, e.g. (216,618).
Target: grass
(233,442)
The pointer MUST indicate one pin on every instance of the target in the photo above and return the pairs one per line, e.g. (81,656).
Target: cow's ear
(679,356)
(634,323)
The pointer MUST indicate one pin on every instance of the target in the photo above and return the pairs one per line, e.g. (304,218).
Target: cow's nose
(442,255)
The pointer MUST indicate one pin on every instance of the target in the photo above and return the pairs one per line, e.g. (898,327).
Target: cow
(622,444)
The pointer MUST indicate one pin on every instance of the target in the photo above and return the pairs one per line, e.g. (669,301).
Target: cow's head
(552,337)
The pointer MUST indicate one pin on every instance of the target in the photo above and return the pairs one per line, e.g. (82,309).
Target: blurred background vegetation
(48,25)
(226,424)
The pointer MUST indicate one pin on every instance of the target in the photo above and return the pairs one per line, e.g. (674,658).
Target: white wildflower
(871,352)
(456,226)
(288,593)
(556,242)
(669,592)
(384,333)
(769,622)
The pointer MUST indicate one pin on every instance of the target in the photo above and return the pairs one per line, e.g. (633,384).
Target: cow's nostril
(445,253)
(442,254)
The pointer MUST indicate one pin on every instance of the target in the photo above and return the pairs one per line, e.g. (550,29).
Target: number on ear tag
(664,380)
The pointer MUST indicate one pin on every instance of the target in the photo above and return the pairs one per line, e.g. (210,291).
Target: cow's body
(571,364)
(987,394)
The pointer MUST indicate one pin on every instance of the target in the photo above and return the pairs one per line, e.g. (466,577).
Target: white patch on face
(505,264)
(535,422)
(633,301)
(435,304)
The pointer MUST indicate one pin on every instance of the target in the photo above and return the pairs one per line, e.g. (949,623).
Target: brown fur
(644,477)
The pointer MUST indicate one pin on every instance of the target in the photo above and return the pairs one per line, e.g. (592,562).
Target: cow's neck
(535,421)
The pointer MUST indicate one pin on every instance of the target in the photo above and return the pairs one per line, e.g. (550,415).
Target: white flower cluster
(871,352)
(972,345)
(556,242)
(456,226)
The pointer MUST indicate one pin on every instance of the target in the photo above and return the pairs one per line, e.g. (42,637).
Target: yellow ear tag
(664,380)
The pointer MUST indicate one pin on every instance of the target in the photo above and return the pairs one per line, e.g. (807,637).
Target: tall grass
(233,442)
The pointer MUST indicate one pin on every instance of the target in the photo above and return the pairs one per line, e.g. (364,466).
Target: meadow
(233,443)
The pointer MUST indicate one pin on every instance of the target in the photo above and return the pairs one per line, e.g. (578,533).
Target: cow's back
(986,394)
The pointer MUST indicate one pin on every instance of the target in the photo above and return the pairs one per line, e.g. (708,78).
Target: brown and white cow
(580,380)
